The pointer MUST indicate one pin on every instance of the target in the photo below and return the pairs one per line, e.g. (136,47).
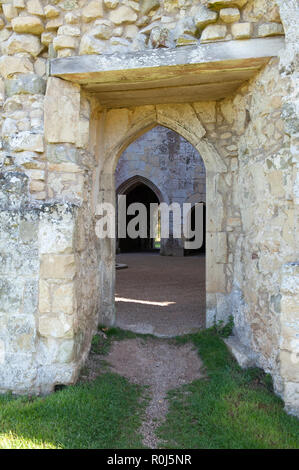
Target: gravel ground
(159,295)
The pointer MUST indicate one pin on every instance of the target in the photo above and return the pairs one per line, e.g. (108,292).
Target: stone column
(289,343)
(216,253)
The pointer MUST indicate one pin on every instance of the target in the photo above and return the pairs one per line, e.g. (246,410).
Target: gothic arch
(132,182)
(120,127)
(124,126)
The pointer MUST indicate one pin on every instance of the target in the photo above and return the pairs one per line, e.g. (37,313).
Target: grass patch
(231,409)
(104,414)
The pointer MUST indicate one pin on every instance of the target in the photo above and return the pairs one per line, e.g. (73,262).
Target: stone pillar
(107,248)
(289,342)
(19,273)
(216,253)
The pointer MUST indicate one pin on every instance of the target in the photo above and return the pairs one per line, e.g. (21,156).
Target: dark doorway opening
(141,194)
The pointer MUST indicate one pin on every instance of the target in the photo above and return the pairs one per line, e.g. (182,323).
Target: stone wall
(72,27)
(263,189)
(169,161)
(49,303)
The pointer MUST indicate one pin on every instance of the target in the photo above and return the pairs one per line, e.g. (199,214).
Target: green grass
(98,415)
(230,409)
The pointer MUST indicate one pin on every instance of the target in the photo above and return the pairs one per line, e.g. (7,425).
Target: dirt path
(162,366)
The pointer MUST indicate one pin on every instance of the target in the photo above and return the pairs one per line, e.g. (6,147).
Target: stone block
(21,332)
(44,303)
(203,17)
(10,65)
(66,351)
(28,231)
(64,42)
(27,25)
(64,299)
(243,355)
(148,6)
(229,15)
(27,141)
(19,4)
(18,43)
(62,153)
(47,38)
(123,14)
(218,4)
(69,30)
(275,179)
(213,33)
(56,233)
(290,335)
(206,111)
(102,31)
(9,11)
(289,364)
(242,30)
(216,278)
(217,246)
(29,84)
(56,326)
(111,4)
(291,397)
(90,45)
(62,108)
(58,267)
(35,7)
(270,29)
(93,10)
(11,295)
(54,24)
(51,11)
(181,114)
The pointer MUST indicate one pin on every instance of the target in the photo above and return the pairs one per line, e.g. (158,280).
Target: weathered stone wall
(263,189)
(49,299)
(289,338)
(169,161)
(43,335)
(72,27)
(19,277)
(265,252)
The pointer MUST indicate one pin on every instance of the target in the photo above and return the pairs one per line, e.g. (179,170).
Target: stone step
(243,355)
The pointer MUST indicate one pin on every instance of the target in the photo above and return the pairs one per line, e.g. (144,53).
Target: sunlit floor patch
(160,295)
(143,302)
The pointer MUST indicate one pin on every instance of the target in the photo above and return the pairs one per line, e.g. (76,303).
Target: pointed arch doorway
(162,295)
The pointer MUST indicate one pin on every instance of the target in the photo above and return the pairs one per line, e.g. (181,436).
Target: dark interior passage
(141,194)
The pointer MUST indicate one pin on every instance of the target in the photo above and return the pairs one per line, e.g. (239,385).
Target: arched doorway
(162,295)
(121,127)
(139,190)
